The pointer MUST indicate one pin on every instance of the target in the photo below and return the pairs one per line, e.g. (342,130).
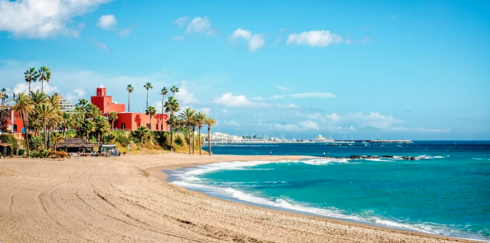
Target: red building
(17,126)
(127,120)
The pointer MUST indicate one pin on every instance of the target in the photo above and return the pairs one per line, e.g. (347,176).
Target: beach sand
(127,199)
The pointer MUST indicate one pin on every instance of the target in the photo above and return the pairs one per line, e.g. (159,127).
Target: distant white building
(65,105)
(223,137)
(321,139)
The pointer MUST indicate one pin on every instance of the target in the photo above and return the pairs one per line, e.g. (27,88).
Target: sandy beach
(126,199)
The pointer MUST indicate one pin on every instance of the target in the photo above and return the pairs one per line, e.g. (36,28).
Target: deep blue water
(446,191)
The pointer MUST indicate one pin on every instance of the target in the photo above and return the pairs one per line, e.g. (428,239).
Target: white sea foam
(282,203)
(324,161)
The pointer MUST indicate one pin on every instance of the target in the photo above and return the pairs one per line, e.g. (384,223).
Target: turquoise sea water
(445,192)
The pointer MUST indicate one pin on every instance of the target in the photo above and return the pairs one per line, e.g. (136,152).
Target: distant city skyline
(353,68)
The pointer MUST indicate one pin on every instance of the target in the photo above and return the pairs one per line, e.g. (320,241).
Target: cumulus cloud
(75,95)
(254,41)
(181,21)
(24,88)
(199,25)
(184,96)
(314,38)
(303,95)
(231,123)
(106,21)
(43,18)
(228,99)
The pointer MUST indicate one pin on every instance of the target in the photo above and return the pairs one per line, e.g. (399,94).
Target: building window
(156,126)
(161,127)
(148,126)
(123,126)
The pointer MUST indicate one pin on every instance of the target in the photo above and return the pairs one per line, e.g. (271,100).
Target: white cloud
(99,44)
(225,111)
(373,119)
(199,25)
(204,110)
(184,96)
(24,88)
(43,18)
(315,38)
(255,42)
(304,95)
(181,21)
(75,95)
(281,87)
(241,33)
(106,21)
(125,32)
(228,99)
(231,123)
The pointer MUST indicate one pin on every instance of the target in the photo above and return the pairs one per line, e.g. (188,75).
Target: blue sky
(400,69)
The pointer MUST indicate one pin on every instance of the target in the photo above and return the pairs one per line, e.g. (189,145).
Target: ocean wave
(324,161)
(367,216)
(480,159)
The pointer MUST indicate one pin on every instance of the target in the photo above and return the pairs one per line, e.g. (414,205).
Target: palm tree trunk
(171,137)
(29,86)
(193,139)
(147,99)
(45,137)
(189,131)
(42,85)
(200,147)
(163,98)
(129,102)
(112,124)
(150,123)
(209,140)
(26,137)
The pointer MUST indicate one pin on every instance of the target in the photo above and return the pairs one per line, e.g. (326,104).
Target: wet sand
(127,199)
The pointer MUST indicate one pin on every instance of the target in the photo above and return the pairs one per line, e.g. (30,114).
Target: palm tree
(130,90)
(66,122)
(23,107)
(55,139)
(200,118)
(44,112)
(31,76)
(163,93)
(112,118)
(80,108)
(151,111)
(141,132)
(188,116)
(172,105)
(101,127)
(87,127)
(38,97)
(54,100)
(44,75)
(210,122)
(3,95)
(174,90)
(147,86)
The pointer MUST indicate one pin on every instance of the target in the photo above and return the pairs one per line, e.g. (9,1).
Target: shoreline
(158,173)
(126,199)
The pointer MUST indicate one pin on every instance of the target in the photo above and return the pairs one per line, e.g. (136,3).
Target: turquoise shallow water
(446,191)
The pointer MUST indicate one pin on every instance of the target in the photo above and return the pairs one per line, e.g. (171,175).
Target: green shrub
(39,153)
(36,142)
(21,152)
(123,140)
(14,143)
(178,140)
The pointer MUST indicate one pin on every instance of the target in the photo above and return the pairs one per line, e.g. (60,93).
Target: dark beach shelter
(4,149)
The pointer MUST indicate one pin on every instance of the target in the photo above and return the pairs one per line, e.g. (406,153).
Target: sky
(356,69)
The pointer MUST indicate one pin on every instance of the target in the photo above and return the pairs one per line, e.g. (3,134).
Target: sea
(445,190)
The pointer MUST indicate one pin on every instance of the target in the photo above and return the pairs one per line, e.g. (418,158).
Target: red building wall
(104,102)
(127,120)
(131,121)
